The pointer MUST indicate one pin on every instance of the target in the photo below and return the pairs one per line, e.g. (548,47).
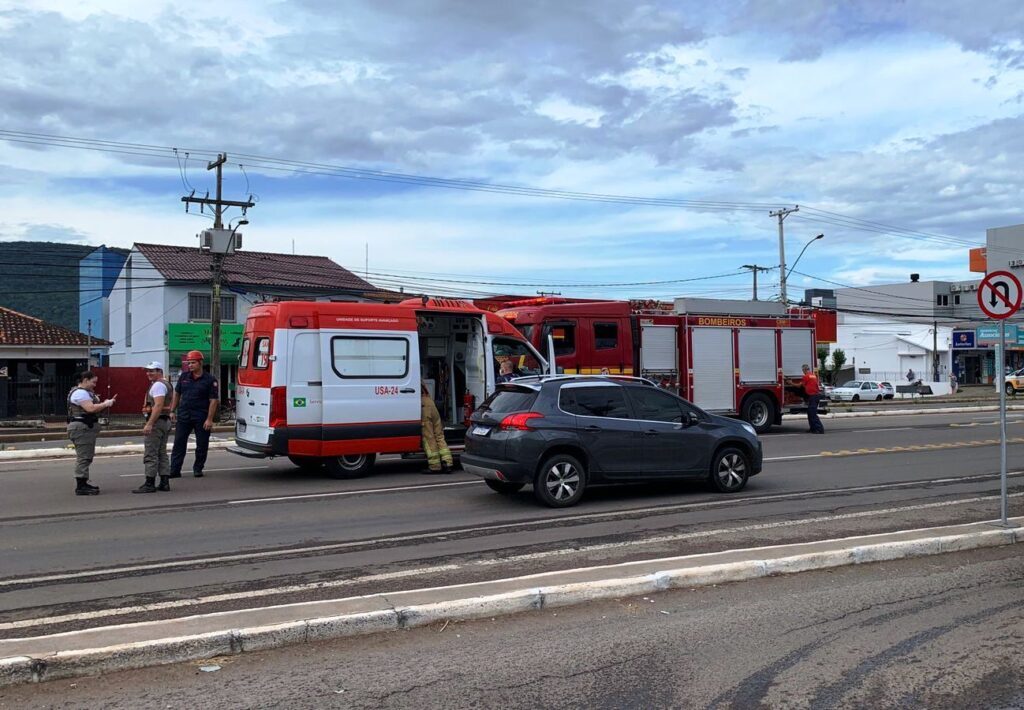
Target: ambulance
(333,385)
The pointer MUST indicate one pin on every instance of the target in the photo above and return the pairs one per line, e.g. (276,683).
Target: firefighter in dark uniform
(84,407)
(196,397)
(156,430)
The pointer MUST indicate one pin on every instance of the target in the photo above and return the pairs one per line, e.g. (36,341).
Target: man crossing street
(196,397)
(813,392)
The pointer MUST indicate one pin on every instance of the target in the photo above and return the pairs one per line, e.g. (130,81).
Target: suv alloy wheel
(560,482)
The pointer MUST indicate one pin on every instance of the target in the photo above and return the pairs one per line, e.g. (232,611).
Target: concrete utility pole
(781,214)
(935,350)
(217,267)
(754,268)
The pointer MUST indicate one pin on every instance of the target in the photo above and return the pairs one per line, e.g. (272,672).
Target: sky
(896,125)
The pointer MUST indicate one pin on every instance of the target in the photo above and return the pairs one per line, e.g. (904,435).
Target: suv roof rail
(548,378)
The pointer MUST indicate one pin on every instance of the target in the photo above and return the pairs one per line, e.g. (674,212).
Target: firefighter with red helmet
(196,397)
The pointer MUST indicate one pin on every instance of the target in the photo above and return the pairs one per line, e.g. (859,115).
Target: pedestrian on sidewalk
(156,431)
(813,392)
(439,457)
(196,398)
(84,407)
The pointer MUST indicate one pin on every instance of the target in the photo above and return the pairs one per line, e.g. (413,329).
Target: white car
(888,390)
(856,390)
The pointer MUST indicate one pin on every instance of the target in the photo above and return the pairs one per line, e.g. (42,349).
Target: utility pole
(781,214)
(754,268)
(935,350)
(88,362)
(219,248)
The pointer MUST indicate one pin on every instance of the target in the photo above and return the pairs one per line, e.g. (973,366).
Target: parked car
(1014,382)
(856,390)
(888,390)
(562,434)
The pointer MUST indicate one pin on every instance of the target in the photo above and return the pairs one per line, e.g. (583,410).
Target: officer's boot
(165,483)
(82,488)
(146,487)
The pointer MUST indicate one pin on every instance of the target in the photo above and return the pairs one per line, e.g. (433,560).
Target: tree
(838,361)
(823,359)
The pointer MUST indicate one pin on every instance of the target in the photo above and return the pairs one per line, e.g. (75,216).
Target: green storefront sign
(182,337)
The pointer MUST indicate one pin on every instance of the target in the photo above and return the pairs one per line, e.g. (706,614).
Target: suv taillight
(278,407)
(519,421)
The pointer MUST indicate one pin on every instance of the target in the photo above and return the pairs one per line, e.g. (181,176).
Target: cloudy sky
(895,124)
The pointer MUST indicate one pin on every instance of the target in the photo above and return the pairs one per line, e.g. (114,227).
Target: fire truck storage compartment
(451,362)
(757,356)
(659,350)
(713,384)
(797,351)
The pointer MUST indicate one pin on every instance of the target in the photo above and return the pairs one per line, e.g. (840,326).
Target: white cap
(155,365)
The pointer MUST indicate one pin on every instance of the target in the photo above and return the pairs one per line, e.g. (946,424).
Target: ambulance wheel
(759,412)
(350,466)
(307,463)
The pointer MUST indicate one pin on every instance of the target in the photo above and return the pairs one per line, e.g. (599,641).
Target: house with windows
(161,305)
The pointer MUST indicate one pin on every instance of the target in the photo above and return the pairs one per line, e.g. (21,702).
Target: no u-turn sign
(999,295)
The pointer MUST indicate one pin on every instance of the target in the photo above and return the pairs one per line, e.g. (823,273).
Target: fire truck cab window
(606,336)
(564,335)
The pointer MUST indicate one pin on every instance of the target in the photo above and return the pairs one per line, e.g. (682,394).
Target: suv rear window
(594,402)
(517,399)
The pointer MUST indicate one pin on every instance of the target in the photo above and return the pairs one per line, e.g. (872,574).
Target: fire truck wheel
(560,481)
(504,487)
(729,470)
(350,466)
(307,463)
(759,412)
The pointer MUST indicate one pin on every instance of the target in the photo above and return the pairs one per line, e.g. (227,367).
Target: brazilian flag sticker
(299,402)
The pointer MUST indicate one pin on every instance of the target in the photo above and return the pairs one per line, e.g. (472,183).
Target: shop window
(606,336)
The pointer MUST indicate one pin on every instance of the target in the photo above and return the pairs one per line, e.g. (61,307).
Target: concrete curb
(385,612)
(907,412)
(100,451)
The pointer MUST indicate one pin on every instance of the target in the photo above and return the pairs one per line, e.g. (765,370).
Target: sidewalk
(138,645)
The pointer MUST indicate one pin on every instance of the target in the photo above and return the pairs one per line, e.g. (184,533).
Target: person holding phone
(84,407)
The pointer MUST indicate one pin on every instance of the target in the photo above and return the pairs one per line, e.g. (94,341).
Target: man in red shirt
(813,392)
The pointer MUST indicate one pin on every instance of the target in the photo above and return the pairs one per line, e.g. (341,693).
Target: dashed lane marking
(487,562)
(913,447)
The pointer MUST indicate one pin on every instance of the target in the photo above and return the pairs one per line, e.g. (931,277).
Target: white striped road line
(341,546)
(356,492)
(488,562)
(207,470)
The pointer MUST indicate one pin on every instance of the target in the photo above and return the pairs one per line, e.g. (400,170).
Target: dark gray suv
(561,434)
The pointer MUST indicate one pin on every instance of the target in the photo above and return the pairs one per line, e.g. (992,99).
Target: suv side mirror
(689,419)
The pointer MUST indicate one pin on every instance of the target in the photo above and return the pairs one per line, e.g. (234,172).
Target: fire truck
(738,358)
(334,384)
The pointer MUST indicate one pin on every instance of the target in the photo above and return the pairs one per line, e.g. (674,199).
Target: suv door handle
(407,390)
(651,432)
(591,428)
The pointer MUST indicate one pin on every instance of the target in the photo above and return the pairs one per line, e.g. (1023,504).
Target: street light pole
(820,236)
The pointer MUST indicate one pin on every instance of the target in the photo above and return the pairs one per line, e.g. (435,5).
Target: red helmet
(194,355)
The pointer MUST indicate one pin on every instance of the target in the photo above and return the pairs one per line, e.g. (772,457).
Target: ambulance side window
(262,353)
(243,359)
(355,357)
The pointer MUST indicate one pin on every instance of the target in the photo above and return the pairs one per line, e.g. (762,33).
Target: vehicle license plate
(481,431)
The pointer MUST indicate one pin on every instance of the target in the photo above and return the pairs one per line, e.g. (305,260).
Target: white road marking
(208,470)
(341,546)
(355,492)
(488,562)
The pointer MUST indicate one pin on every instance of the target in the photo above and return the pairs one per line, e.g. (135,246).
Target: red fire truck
(740,360)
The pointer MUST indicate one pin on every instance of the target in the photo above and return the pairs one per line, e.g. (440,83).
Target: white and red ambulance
(335,384)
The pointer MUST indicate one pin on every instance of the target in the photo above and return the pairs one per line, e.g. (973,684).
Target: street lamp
(820,236)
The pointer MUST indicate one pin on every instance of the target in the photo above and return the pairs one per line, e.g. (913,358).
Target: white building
(879,348)
(161,304)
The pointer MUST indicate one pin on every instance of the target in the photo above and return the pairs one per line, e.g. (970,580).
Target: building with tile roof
(160,307)
(38,361)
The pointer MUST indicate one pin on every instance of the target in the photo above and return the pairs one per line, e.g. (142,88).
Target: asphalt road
(938,632)
(255,532)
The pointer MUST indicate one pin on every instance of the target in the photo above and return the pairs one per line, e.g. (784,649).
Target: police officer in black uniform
(196,397)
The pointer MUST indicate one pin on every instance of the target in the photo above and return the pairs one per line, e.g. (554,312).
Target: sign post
(999,297)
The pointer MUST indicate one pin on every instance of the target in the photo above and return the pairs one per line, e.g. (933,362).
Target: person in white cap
(156,431)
